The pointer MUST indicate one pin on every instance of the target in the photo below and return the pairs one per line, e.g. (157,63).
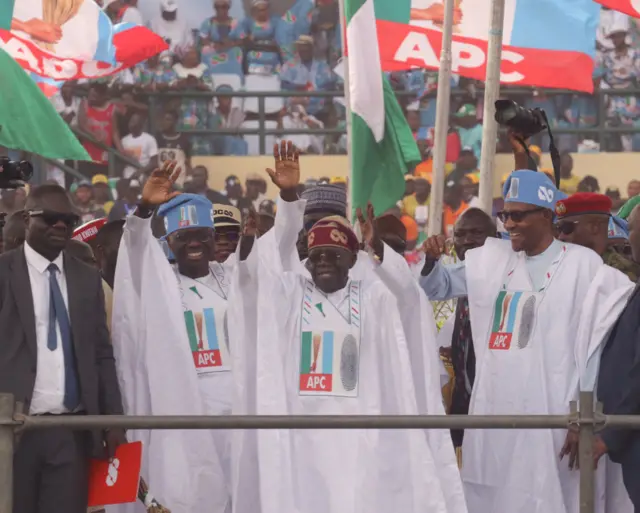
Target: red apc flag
(116,481)
(630,7)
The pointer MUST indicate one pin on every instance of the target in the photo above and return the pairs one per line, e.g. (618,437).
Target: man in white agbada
(325,344)
(170,337)
(533,303)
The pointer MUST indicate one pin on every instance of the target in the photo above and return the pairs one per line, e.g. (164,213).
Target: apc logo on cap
(513,188)
(545,194)
(561,209)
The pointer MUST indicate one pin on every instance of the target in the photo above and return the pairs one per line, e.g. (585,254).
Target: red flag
(116,481)
(630,7)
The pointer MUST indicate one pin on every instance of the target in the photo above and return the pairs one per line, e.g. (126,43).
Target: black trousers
(630,462)
(51,468)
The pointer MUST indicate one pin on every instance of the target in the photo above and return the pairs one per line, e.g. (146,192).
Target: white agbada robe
(157,377)
(317,471)
(531,364)
(416,314)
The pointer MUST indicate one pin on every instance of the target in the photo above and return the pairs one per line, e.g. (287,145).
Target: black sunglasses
(190,235)
(52,218)
(330,256)
(231,236)
(517,216)
(566,227)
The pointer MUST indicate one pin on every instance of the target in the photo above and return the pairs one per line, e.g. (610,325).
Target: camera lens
(24,169)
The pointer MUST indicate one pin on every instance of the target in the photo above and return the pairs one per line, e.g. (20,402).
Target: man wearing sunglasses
(536,307)
(56,356)
(584,218)
(170,334)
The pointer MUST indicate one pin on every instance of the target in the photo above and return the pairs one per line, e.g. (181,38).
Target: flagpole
(347,99)
(442,123)
(491,94)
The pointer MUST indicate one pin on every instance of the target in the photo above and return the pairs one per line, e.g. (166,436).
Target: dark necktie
(58,313)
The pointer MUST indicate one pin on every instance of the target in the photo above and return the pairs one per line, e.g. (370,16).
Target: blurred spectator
(66,104)
(616,200)
(470,189)
(295,117)
(469,129)
(102,193)
(234,194)
(413,119)
(325,30)
(425,168)
(267,207)
(589,184)
(265,223)
(619,68)
(83,201)
(199,184)
(169,26)
(193,76)
(568,181)
(305,73)
(219,41)
(454,206)
(255,186)
(130,13)
(409,188)
(262,36)
(13,233)
(417,204)
(228,116)
(97,117)
(608,20)
(174,145)
(140,146)
(128,192)
(467,163)
(157,73)
(633,188)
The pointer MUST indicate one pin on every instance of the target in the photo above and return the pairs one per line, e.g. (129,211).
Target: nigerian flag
(382,145)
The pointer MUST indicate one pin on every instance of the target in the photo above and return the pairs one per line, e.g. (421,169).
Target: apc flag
(546,43)
(630,7)
(382,145)
(28,120)
(71,39)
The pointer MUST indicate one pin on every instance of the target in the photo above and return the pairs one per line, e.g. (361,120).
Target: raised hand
(42,31)
(250,228)
(435,246)
(287,166)
(368,230)
(158,188)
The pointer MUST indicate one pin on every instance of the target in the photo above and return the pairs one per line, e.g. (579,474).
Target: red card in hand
(116,481)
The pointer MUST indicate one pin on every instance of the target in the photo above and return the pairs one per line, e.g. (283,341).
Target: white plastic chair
(263,84)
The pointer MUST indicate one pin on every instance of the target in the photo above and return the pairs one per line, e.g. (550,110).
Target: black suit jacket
(99,388)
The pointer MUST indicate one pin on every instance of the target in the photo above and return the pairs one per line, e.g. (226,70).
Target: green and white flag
(382,145)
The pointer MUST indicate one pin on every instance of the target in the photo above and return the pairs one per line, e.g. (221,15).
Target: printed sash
(329,344)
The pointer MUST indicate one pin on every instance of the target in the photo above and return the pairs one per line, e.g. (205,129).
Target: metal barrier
(583,419)
(601,130)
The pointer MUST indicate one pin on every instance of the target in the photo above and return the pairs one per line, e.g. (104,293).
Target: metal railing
(583,418)
(601,130)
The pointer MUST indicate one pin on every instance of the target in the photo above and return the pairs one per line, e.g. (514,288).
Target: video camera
(14,174)
(527,123)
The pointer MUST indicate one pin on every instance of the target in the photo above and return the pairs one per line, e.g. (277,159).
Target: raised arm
(441,282)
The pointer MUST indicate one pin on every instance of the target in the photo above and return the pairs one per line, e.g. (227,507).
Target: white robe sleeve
(416,315)
(606,298)
(157,376)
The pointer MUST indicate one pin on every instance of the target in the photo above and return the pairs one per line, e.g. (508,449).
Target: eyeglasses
(332,257)
(52,218)
(193,235)
(566,227)
(517,216)
(231,236)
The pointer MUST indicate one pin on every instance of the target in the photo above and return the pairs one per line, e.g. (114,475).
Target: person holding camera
(528,297)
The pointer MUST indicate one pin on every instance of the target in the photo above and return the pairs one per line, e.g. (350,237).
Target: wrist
(289,195)
(144,210)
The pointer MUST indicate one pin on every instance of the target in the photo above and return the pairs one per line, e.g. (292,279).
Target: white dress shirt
(48,392)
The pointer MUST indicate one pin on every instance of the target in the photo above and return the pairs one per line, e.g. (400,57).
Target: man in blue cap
(528,298)
(170,335)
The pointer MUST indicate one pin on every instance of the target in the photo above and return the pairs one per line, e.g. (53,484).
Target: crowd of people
(181,305)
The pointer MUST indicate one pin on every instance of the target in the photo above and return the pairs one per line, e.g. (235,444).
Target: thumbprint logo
(112,475)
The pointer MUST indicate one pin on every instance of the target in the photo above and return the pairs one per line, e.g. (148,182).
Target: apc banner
(546,43)
(630,7)
(61,40)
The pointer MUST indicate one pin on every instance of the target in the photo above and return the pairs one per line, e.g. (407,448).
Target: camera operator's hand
(519,151)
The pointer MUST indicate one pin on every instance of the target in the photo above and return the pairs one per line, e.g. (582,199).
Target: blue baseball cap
(531,187)
(186,211)
(618,228)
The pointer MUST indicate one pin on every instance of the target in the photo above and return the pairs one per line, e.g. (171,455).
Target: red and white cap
(89,230)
